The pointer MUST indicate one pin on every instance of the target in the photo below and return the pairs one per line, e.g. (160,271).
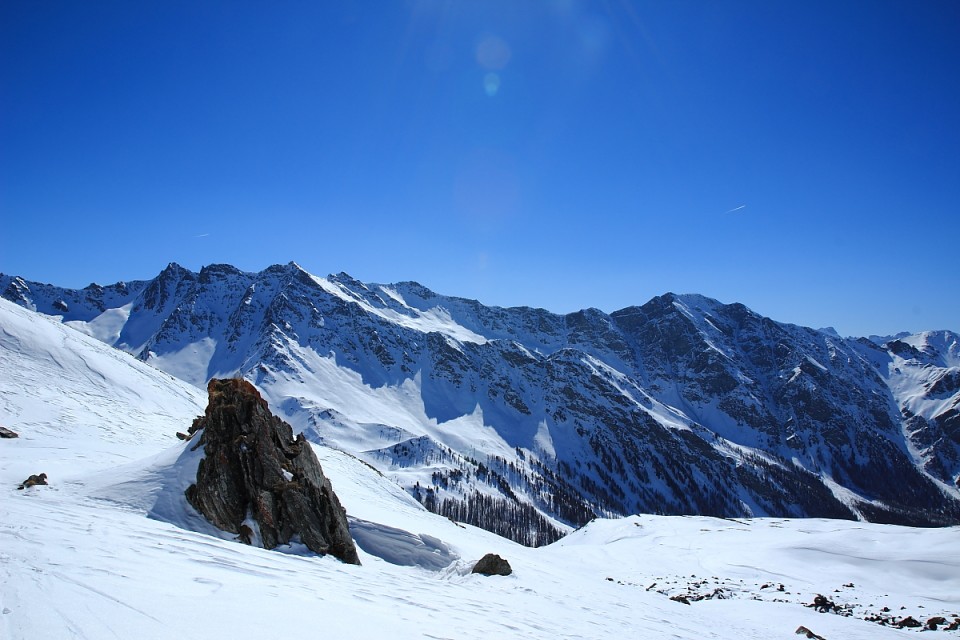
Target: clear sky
(802,158)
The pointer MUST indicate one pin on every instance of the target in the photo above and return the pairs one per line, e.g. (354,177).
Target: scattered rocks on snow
(7,433)
(910,622)
(692,590)
(255,473)
(823,604)
(492,565)
(32,481)
(935,622)
(803,631)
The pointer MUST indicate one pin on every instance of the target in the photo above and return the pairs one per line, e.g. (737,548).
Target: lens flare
(491,84)
(493,53)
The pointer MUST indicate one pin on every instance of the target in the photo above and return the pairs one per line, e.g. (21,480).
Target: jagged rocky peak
(903,349)
(660,304)
(164,287)
(348,281)
(213,272)
(18,291)
(648,315)
(172,276)
(288,269)
(174,270)
(256,480)
(414,290)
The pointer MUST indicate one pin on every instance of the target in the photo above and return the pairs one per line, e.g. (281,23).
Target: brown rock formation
(492,565)
(254,468)
(33,481)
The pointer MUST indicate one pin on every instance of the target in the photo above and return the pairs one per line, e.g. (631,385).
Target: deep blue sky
(800,157)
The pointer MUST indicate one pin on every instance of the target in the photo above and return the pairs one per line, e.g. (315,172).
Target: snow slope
(78,403)
(102,552)
(923,374)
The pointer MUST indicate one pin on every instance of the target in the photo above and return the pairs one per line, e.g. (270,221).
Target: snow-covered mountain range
(529,423)
(111,548)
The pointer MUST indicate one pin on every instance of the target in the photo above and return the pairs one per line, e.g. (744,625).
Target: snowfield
(111,549)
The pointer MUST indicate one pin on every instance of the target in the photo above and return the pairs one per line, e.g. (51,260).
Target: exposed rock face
(934,622)
(7,433)
(255,470)
(909,621)
(492,565)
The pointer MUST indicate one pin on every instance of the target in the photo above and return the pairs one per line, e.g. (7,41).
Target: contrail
(202,235)
(743,206)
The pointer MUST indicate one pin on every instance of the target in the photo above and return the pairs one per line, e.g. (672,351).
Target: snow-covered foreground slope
(87,556)
(75,567)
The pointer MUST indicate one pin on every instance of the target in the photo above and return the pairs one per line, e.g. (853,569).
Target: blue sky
(802,158)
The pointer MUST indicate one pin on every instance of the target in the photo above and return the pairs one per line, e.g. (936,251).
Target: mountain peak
(414,290)
(698,301)
(173,268)
(686,303)
(211,272)
(347,280)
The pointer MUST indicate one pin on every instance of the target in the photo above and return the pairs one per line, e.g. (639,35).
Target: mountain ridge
(680,405)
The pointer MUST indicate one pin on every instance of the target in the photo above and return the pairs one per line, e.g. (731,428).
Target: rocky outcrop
(803,631)
(7,433)
(909,622)
(492,565)
(33,481)
(256,480)
(934,622)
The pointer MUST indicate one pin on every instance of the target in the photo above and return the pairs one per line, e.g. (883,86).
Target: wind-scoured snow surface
(110,548)
(80,403)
